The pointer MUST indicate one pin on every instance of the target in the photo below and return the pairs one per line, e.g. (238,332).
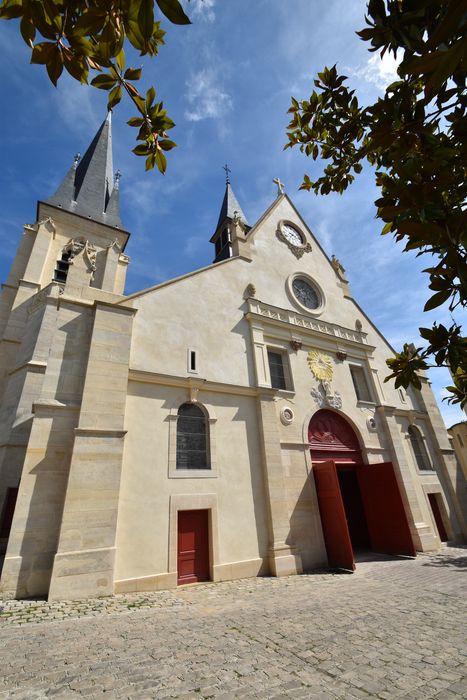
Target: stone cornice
(259,311)
(145,377)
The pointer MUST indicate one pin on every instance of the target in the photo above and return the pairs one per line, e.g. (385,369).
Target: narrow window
(61,270)
(419,449)
(225,237)
(360,384)
(402,395)
(192,361)
(277,370)
(192,438)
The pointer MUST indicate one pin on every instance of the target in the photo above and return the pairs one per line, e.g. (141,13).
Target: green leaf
(55,66)
(167,145)
(132,74)
(161,161)
(90,22)
(76,67)
(141,149)
(174,12)
(135,121)
(28,30)
(150,161)
(103,82)
(115,96)
(11,10)
(437,299)
(120,58)
(150,95)
(146,19)
(42,53)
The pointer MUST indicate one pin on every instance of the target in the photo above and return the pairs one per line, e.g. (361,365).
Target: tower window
(61,270)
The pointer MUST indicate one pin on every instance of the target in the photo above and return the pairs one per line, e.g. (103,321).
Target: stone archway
(360,504)
(332,437)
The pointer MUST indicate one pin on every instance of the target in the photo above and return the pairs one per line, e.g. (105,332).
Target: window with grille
(192,438)
(360,383)
(278,369)
(419,449)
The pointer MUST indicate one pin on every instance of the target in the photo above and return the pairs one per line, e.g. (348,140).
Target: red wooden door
(333,519)
(433,499)
(385,514)
(193,546)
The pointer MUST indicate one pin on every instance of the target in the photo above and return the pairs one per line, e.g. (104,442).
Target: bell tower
(230,217)
(64,355)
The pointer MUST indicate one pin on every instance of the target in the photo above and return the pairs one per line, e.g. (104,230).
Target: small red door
(385,514)
(333,519)
(193,546)
(433,499)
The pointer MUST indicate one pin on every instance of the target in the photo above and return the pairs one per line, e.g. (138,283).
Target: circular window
(305,292)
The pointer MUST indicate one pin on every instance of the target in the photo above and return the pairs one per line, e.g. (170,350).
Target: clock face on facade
(305,293)
(292,235)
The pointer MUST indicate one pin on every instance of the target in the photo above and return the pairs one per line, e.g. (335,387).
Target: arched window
(419,449)
(192,438)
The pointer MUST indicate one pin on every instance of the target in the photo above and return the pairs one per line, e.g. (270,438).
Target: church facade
(232,422)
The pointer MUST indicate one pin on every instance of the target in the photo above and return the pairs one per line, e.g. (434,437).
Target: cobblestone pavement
(394,629)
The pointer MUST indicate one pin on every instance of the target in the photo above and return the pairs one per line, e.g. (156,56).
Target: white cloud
(202,9)
(379,71)
(207,99)
(73,99)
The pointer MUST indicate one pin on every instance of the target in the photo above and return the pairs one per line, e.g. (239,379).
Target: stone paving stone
(392,630)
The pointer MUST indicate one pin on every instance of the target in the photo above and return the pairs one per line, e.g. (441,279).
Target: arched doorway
(332,437)
(360,504)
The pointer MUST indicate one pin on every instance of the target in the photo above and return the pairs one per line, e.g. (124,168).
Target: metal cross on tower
(227,174)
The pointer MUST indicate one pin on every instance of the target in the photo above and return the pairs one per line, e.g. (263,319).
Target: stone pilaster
(84,563)
(422,540)
(282,558)
(447,467)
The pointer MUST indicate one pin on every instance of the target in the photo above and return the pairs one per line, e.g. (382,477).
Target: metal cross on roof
(280,186)
(227,171)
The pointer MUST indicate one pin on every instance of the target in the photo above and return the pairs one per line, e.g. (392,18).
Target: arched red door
(379,511)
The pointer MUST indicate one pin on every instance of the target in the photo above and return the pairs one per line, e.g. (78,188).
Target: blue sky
(226,81)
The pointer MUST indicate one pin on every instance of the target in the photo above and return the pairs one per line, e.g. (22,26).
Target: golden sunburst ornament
(321,365)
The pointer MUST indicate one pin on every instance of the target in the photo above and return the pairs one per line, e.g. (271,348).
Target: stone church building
(231,422)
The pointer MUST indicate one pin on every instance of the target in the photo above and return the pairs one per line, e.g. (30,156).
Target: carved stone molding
(287,415)
(81,246)
(324,397)
(338,268)
(48,223)
(305,322)
(298,251)
(250,291)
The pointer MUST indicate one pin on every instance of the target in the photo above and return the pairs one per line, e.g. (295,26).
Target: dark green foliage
(415,137)
(82,37)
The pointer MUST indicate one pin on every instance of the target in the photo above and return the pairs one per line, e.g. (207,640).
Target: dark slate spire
(229,206)
(88,188)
